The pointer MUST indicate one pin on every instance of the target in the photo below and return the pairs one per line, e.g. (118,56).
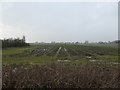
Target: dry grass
(60,75)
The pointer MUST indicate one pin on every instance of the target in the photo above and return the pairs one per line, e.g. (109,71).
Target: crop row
(68,51)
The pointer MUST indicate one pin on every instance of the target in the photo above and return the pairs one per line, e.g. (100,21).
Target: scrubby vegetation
(60,75)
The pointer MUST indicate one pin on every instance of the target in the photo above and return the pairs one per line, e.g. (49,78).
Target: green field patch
(43,54)
(17,50)
(108,57)
(29,60)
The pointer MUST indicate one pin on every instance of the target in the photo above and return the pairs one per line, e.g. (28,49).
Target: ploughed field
(62,66)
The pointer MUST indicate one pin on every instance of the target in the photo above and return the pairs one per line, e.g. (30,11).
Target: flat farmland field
(61,66)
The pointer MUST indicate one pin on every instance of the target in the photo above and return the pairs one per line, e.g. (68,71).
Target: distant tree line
(116,41)
(16,42)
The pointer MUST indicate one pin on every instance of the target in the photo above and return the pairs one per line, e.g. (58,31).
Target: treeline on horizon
(16,42)
(86,42)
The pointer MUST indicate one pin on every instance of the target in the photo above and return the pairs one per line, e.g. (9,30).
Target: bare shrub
(60,75)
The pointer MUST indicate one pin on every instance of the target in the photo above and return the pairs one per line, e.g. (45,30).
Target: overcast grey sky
(46,22)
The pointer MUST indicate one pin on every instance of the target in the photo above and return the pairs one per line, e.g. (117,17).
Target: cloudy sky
(46,22)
